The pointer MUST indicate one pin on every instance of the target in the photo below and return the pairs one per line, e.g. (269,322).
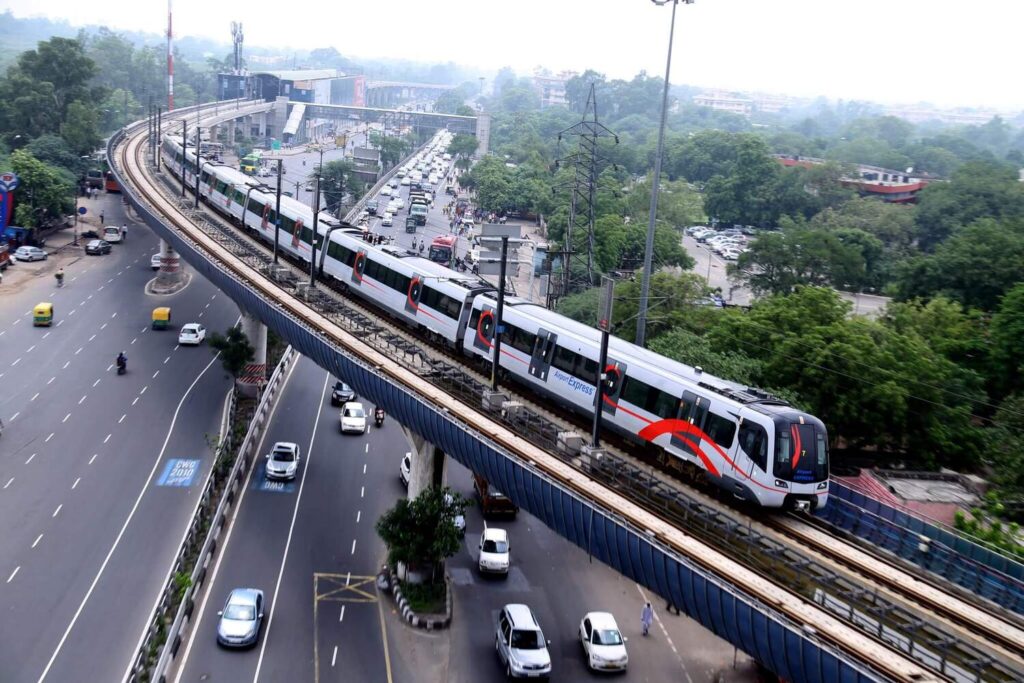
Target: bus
(442,249)
(110,182)
(94,178)
(252,162)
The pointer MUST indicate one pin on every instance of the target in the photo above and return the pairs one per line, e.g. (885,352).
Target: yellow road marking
(345,588)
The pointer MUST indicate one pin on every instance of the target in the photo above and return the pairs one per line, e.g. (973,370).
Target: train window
(587,370)
(255,207)
(565,360)
(754,442)
(664,404)
(287,225)
(372,269)
(634,391)
(523,340)
(238,197)
(474,319)
(720,429)
(205,175)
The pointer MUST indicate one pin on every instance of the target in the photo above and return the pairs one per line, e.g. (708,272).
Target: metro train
(750,444)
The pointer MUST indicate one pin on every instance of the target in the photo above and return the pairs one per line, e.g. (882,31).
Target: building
(723,101)
(551,87)
(886,184)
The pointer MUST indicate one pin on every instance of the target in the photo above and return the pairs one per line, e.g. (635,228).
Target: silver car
(241,618)
(29,254)
(520,643)
(283,461)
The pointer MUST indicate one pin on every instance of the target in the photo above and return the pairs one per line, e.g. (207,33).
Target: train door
(412,296)
(543,352)
(693,409)
(614,378)
(484,333)
(359,266)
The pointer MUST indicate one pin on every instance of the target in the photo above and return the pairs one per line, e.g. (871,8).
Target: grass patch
(425,598)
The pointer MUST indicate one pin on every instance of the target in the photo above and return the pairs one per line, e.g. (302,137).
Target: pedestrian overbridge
(580,501)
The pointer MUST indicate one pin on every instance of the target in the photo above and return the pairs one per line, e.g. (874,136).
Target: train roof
(654,362)
(430,268)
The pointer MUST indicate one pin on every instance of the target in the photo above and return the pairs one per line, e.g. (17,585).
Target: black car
(97,247)
(342,394)
(90,235)
(371,207)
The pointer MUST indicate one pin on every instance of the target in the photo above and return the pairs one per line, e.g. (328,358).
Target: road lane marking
(66,365)
(122,418)
(16,362)
(36,542)
(348,579)
(108,438)
(29,350)
(30,458)
(72,312)
(82,399)
(9,482)
(109,367)
(100,288)
(92,337)
(341,617)
(367,448)
(103,326)
(51,380)
(124,527)
(364,468)
(66,417)
(220,555)
(334,657)
(177,346)
(57,511)
(353,546)
(291,530)
(49,437)
(94,456)
(135,340)
(155,374)
(359,513)
(362,491)
(143,390)
(95,383)
(59,323)
(143,330)
(45,336)
(15,415)
(110,280)
(114,314)
(13,574)
(75,485)
(79,350)
(136,400)
(166,359)
(34,397)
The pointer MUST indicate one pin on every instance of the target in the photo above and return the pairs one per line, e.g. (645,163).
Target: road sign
(82,211)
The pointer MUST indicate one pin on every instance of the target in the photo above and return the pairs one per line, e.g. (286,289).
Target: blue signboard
(8,183)
(178,472)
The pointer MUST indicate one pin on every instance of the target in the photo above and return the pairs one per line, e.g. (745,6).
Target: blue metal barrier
(978,569)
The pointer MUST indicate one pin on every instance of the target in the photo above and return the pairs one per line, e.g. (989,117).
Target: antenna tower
(578,243)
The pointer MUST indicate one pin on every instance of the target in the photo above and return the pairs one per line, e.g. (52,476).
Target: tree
(975,267)
(43,192)
(80,128)
(54,151)
(519,97)
(1006,445)
(235,350)
(421,533)
(462,147)
(392,148)
(63,63)
(746,196)
(338,178)
(1006,333)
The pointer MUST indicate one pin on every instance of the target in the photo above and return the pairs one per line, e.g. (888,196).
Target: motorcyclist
(59,275)
(378,415)
(122,360)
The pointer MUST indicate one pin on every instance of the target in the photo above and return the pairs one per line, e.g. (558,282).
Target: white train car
(746,442)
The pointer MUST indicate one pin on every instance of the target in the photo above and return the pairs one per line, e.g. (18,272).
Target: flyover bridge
(621,514)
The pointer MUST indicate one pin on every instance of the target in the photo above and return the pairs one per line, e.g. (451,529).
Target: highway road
(94,508)
(311,547)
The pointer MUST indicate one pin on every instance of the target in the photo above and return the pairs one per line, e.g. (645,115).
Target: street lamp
(645,287)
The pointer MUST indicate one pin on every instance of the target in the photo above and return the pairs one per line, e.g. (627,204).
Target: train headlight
(823,485)
(781,484)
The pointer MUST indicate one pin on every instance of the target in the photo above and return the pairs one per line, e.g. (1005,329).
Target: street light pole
(312,239)
(645,287)
(277,211)
(499,323)
(184,151)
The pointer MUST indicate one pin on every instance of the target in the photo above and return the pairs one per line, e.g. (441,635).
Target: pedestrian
(646,617)
(671,606)
(102,218)
(124,232)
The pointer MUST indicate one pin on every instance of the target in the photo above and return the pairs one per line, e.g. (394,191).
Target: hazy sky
(894,51)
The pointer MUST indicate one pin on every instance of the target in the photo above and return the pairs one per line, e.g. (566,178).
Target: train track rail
(416,370)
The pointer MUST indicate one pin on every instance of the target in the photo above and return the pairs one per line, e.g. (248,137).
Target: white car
(353,418)
(405,470)
(405,180)
(192,334)
(603,644)
(283,461)
(111,234)
(30,254)
(494,551)
(386,190)
(387,220)
(398,202)
(393,184)
(730,254)
(154,262)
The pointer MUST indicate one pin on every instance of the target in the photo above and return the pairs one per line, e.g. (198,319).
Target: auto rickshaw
(42,314)
(161,318)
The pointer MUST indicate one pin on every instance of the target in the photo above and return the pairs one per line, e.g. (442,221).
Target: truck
(493,503)
(418,213)
(410,224)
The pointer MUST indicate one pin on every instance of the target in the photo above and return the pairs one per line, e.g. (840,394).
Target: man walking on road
(646,617)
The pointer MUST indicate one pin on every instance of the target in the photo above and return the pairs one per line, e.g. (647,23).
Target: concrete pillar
(256,332)
(171,276)
(232,125)
(428,464)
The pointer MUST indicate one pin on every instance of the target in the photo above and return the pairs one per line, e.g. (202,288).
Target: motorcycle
(122,365)
(378,417)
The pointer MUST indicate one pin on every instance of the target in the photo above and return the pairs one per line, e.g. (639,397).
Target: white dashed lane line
(30,458)
(50,381)
(29,349)
(9,482)
(13,574)
(57,511)
(66,418)
(353,546)
(82,400)
(49,437)
(16,362)
(95,383)
(34,397)
(94,456)
(75,485)
(359,513)
(36,542)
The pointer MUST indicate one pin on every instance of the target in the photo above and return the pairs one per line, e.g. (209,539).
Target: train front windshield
(801,452)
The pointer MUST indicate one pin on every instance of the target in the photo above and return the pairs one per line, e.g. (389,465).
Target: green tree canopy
(43,192)
(1007,342)
(234,348)
(421,533)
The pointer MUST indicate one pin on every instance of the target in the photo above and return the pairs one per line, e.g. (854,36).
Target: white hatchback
(192,334)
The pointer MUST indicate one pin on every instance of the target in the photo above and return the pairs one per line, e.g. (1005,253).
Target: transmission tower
(578,243)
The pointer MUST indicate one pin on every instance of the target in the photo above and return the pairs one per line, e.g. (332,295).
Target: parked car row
(728,243)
